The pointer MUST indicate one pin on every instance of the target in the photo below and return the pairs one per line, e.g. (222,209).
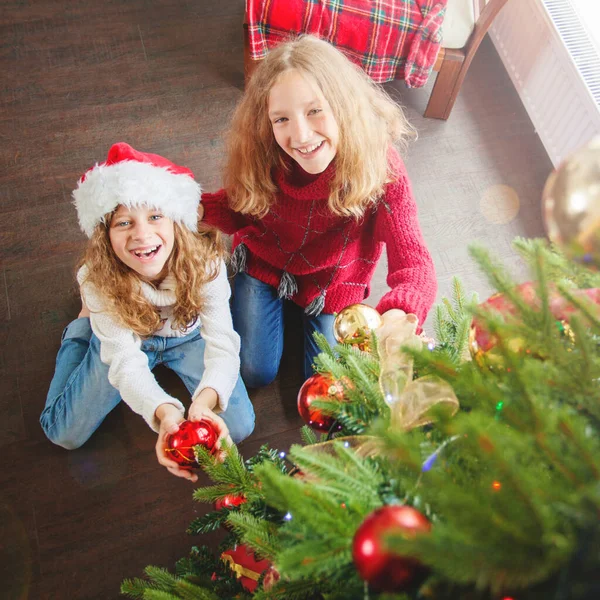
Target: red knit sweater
(334,256)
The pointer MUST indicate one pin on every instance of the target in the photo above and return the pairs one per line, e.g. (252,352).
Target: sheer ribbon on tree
(410,400)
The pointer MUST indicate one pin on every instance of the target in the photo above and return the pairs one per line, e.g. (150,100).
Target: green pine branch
(290,590)
(161,585)
(257,533)
(209,522)
(308,435)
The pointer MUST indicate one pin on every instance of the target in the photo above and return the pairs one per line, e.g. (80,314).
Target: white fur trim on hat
(135,184)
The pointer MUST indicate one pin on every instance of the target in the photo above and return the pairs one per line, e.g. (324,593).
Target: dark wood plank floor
(164,75)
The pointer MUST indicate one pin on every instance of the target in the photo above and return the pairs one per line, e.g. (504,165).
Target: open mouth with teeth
(146,253)
(309,150)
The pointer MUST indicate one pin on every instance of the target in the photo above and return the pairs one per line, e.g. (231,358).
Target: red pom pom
(180,445)
(318,386)
(383,570)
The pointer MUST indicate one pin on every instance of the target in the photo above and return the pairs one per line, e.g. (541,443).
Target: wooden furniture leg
(456,63)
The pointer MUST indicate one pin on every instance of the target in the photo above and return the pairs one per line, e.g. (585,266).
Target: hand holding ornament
(202,408)
(170,417)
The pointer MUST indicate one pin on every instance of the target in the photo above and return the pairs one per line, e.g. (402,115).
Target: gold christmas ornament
(355,324)
(571,204)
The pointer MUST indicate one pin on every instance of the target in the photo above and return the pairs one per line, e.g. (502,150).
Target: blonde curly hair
(194,261)
(369,122)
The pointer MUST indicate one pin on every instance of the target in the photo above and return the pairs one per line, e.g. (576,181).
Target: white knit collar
(164,295)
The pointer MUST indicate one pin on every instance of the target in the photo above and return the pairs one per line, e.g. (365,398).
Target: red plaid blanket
(389,39)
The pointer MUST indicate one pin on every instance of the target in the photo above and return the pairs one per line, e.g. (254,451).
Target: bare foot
(84,312)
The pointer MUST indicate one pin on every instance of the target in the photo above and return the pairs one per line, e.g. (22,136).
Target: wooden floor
(164,76)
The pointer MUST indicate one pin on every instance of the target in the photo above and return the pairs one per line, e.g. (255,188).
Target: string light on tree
(432,458)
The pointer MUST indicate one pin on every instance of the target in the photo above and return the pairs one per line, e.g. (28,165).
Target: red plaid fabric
(389,39)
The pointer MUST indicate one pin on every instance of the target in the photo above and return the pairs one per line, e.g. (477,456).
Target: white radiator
(555,66)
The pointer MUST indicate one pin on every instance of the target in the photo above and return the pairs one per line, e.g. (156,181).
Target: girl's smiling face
(303,122)
(143,239)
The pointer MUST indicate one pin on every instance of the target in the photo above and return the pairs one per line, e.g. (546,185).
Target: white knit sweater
(120,348)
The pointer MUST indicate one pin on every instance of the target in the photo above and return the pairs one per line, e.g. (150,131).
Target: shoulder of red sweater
(397,197)
(395,162)
(398,191)
(217,196)
(399,184)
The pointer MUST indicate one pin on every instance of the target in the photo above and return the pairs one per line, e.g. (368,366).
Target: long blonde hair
(194,261)
(369,122)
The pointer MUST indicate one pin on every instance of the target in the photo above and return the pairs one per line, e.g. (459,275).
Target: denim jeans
(80,395)
(258,318)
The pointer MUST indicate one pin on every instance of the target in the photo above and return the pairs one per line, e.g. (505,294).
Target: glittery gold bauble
(354,325)
(571,203)
(566,331)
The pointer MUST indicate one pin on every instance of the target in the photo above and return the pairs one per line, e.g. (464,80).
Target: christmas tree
(465,467)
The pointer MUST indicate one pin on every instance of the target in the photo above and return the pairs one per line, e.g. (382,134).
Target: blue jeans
(257,313)
(80,395)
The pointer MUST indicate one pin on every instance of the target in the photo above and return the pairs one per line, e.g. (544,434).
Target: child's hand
(170,417)
(202,408)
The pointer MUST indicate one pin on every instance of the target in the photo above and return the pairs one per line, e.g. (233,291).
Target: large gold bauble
(571,204)
(355,323)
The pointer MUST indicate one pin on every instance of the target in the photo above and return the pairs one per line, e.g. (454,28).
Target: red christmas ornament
(228,501)
(180,445)
(245,565)
(383,570)
(323,387)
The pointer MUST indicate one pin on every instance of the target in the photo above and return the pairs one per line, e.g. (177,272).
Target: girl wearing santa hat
(154,291)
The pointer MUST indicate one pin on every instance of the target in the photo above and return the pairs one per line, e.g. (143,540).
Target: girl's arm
(222,350)
(214,210)
(411,274)
(128,369)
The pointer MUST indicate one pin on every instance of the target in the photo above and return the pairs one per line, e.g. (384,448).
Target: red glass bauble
(318,386)
(228,501)
(180,445)
(383,570)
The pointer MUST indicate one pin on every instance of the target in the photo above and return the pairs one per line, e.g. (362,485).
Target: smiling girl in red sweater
(314,188)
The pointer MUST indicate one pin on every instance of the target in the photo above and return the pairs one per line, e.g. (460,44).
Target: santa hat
(135,179)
